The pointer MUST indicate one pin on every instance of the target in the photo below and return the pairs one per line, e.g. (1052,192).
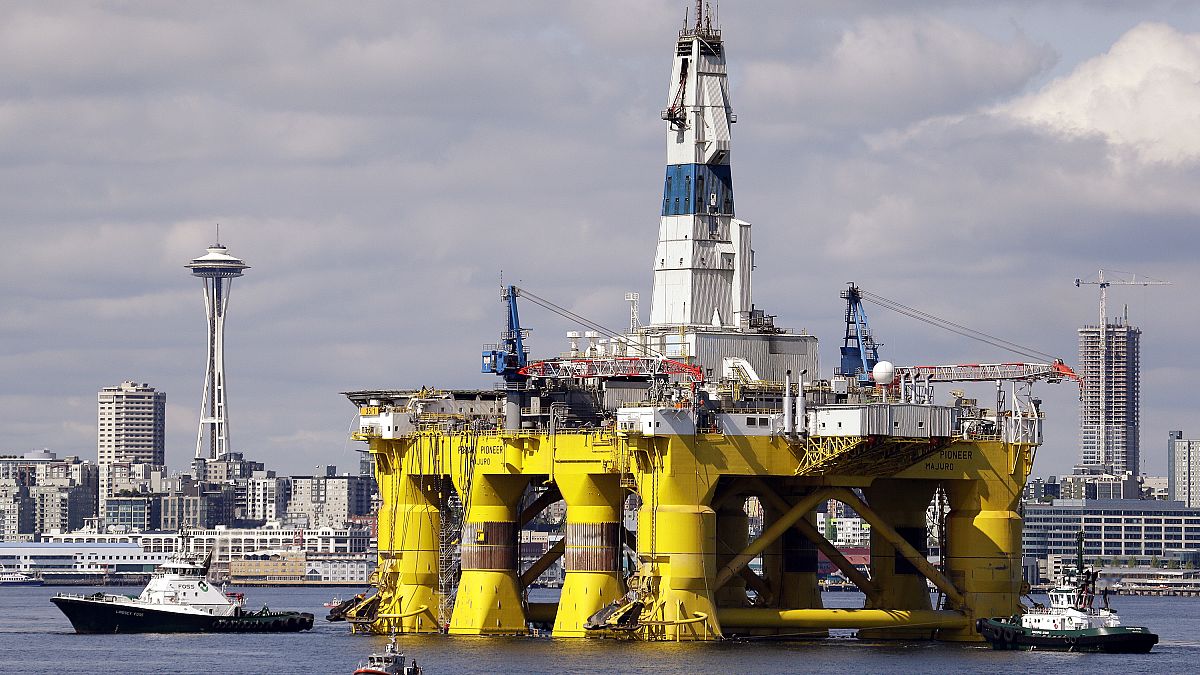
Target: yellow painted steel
(843,618)
(489,598)
(409,524)
(592,499)
(682,540)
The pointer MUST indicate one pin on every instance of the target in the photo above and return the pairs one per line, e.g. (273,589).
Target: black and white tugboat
(1070,623)
(388,662)
(178,599)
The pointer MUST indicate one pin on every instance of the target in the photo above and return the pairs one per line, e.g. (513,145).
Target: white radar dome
(884,373)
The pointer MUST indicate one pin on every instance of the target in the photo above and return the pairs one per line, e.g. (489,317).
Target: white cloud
(1142,96)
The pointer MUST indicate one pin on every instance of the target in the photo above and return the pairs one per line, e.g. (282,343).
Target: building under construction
(686,420)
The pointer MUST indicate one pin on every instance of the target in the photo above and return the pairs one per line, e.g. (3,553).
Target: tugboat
(1070,623)
(178,599)
(388,662)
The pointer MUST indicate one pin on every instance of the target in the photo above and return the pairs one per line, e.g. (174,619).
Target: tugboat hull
(1115,640)
(97,615)
(100,616)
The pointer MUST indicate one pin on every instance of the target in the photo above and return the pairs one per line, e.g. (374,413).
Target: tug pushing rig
(706,411)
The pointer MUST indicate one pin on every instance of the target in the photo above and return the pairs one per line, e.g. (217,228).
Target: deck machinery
(689,419)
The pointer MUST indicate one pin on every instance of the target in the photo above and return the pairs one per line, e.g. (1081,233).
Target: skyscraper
(1109,412)
(1183,469)
(218,269)
(130,427)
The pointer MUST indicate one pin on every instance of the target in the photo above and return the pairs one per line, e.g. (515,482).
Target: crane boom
(615,366)
(986,372)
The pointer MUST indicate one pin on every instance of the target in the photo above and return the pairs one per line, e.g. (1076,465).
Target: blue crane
(859,351)
(510,356)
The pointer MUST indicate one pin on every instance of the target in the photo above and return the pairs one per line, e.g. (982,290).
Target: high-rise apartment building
(1110,364)
(1183,469)
(131,428)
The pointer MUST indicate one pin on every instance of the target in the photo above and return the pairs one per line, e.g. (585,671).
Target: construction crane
(860,353)
(1103,336)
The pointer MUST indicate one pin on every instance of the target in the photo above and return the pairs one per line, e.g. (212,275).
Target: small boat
(334,602)
(178,599)
(14,578)
(1070,623)
(388,662)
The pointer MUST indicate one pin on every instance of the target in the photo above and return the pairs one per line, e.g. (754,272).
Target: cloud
(1141,97)
(380,168)
(886,71)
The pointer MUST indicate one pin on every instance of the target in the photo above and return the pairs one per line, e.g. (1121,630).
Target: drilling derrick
(711,416)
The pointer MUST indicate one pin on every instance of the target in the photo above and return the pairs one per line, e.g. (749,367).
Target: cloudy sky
(381,164)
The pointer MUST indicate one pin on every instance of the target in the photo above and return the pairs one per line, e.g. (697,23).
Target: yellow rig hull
(692,540)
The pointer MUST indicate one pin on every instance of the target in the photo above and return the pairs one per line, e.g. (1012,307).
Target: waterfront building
(1109,410)
(1157,487)
(61,508)
(16,511)
(133,513)
(267,497)
(847,532)
(1099,486)
(130,429)
(301,567)
(1121,528)
(231,544)
(83,558)
(1183,469)
(200,505)
(1038,490)
(57,494)
(327,501)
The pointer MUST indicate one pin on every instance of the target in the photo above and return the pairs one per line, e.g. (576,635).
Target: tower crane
(1103,335)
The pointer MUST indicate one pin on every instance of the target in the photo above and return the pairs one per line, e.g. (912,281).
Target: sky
(383,165)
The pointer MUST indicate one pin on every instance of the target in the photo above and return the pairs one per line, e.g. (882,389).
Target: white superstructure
(702,308)
(703,260)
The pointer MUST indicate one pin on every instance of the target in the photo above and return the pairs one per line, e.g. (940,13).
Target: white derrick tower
(218,269)
(703,260)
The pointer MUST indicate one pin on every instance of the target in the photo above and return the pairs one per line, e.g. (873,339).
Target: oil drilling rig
(685,420)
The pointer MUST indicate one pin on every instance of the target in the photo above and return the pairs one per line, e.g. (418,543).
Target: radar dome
(884,373)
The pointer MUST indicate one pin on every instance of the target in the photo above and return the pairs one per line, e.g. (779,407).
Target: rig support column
(983,539)
(676,535)
(408,550)
(902,506)
(733,533)
(593,546)
(489,598)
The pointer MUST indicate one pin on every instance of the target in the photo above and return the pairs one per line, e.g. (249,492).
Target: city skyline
(340,162)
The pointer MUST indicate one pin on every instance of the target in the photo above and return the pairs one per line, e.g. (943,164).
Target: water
(36,638)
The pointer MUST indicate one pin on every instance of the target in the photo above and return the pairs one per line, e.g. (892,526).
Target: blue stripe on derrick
(689,189)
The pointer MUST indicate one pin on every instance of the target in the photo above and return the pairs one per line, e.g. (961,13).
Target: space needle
(218,269)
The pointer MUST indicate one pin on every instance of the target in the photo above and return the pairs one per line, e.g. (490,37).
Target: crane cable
(586,323)
(959,329)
